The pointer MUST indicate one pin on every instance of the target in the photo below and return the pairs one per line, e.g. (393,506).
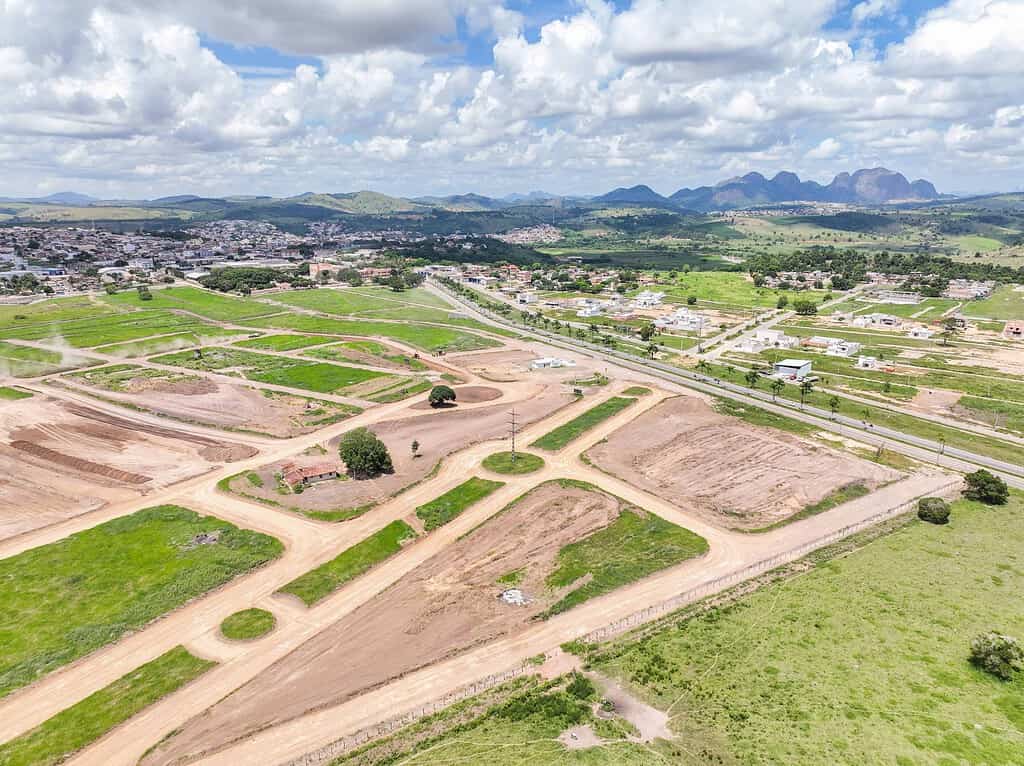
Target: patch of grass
(27,362)
(205,303)
(247,624)
(863,659)
(443,509)
(501,462)
(512,579)
(1005,303)
(107,330)
(10,394)
(58,738)
(353,351)
(630,548)
(636,391)
(837,497)
(561,436)
(284,342)
(60,601)
(321,582)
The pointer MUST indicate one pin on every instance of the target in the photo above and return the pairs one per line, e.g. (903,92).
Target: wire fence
(690,596)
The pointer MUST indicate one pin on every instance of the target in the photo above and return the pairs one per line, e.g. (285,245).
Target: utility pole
(512,434)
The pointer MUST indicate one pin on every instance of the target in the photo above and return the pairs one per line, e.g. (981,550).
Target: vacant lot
(444,606)
(731,473)
(106,330)
(443,509)
(862,661)
(209,305)
(63,600)
(370,353)
(195,399)
(99,459)
(561,436)
(439,432)
(27,362)
(730,288)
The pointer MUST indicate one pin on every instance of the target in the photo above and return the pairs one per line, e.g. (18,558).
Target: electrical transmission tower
(512,434)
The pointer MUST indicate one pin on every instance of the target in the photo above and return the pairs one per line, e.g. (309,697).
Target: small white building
(551,363)
(526,299)
(647,300)
(922,333)
(592,310)
(866,362)
(774,339)
(793,369)
(877,320)
(845,348)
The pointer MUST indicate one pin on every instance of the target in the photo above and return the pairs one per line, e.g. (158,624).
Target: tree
(806,387)
(647,332)
(782,302)
(396,283)
(950,327)
(144,293)
(581,687)
(759,280)
(986,487)
(652,350)
(997,654)
(777,386)
(833,405)
(751,377)
(703,366)
(934,510)
(364,454)
(805,308)
(691,300)
(441,395)
(415,448)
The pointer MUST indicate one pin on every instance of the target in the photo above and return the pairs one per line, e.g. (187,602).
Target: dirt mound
(730,472)
(78,463)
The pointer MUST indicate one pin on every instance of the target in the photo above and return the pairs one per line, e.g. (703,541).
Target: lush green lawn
(56,739)
(424,337)
(633,546)
(1006,302)
(13,394)
(205,303)
(247,624)
(501,462)
(63,600)
(559,437)
(328,577)
(731,288)
(443,509)
(284,342)
(860,661)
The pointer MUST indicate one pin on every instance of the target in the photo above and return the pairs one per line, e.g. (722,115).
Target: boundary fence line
(342,745)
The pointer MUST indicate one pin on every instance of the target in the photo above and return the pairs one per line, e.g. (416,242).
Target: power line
(512,433)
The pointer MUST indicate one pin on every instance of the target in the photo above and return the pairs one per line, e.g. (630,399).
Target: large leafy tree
(365,455)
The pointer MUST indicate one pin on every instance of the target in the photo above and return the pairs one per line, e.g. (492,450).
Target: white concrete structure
(775,339)
(647,300)
(877,320)
(845,348)
(922,333)
(866,362)
(795,369)
(551,363)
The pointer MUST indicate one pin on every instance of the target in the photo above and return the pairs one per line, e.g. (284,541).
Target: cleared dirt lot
(514,364)
(59,459)
(439,433)
(196,399)
(731,473)
(446,605)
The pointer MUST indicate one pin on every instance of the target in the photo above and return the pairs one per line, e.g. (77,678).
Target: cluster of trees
(242,279)
(475,250)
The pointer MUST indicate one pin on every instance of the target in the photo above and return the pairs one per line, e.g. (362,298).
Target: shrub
(440,395)
(986,488)
(997,654)
(364,454)
(581,687)
(934,510)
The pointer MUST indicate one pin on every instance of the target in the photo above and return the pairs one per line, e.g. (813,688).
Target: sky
(127,99)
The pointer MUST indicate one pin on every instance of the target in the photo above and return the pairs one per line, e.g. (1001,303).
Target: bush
(581,687)
(440,395)
(997,654)
(364,454)
(934,510)
(986,488)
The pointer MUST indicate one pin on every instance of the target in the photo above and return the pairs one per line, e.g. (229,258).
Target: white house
(841,347)
(774,338)
(593,310)
(647,300)
(866,362)
(877,320)
(923,333)
(551,363)
(525,299)
(795,369)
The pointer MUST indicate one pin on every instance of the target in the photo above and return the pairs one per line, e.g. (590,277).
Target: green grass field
(53,310)
(632,547)
(559,437)
(423,337)
(730,288)
(247,624)
(205,303)
(164,343)
(63,600)
(501,462)
(283,342)
(321,582)
(27,362)
(448,506)
(57,739)
(353,351)
(860,661)
(108,330)
(1006,302)
(9,394)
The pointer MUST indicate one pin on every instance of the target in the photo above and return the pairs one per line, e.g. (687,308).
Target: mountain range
(864,187)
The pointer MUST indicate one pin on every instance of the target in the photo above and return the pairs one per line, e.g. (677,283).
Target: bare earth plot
(727,471)
(514,364)
(59,459)
(194,398)
(446,605)
(439,433)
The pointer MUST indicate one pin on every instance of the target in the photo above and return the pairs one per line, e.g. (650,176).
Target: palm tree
(751,377)
(581,333)
(806,387)
(833,405)
(652,349)
(703,366)
(777,385)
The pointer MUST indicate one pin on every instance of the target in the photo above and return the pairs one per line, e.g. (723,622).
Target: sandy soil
(514,364)
(649,721)
(580,738)
(216,404)
(442,607)
(100,458)
(439,433)
(725,470)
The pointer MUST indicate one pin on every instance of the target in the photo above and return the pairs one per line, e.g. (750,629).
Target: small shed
(792,368)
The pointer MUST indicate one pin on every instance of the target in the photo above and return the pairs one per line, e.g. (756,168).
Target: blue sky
(139,98)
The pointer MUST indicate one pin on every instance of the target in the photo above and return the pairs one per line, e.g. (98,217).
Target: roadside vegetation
(62,600)
(57,739)
(319,583)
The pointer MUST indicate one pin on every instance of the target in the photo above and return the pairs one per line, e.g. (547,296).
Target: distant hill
(634,195)
(866,187)
(73,199)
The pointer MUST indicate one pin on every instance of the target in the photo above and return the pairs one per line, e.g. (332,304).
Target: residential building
(1014,330)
